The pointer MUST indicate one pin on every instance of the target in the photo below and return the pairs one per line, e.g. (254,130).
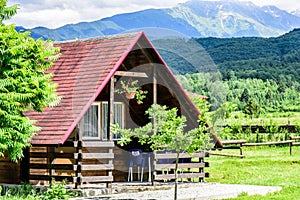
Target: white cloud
(288,5)
(56,13)
(47,17)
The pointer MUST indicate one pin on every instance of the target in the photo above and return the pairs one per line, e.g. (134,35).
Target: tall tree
(245,95)
(24,85)
(251,108)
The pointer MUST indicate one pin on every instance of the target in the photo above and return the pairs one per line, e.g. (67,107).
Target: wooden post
(154,86)
(154,102)
(111,108)
(79,158)
(24,166)
(154,170)
(50,152)
(110,122)
(241,149)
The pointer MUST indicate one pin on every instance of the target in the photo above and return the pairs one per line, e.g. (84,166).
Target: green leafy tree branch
(24,84)
(166,130)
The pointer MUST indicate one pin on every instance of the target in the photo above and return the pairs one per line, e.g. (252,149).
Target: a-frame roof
(82,72)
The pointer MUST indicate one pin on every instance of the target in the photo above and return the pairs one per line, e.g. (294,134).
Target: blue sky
(56,13)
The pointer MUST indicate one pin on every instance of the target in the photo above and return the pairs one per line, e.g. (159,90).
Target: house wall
(121,163)
(9,171)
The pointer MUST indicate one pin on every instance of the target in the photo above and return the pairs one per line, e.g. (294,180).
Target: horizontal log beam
(101,144)
(231,147)
(180,166)
(181,155)
(55,155)
(49,178)
(268,143)
(131,74)
(295,137)
(93,179)
(180,175)
(74,155)
(225,154)
(97,167)
(296,143)
(94,155)
(53,166)
(233,141)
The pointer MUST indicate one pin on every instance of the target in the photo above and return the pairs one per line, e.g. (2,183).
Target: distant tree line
(251,96)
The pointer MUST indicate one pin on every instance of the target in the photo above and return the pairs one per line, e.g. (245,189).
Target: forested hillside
(257,75)
(247,57)
(252,57)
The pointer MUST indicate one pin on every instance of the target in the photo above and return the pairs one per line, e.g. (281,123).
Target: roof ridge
(100,37)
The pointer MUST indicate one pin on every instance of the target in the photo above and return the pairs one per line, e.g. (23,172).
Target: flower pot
(130,95)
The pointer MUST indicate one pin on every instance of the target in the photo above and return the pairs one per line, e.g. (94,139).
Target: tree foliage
(262,96)
(23,84)
(166,130)
(6,12)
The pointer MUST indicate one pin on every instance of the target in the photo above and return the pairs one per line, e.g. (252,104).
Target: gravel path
(201,191)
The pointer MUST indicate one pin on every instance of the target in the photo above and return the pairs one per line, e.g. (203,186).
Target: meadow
(267,166)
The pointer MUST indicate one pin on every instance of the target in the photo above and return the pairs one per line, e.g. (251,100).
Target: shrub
(28,192)
(57,191)
(24,190)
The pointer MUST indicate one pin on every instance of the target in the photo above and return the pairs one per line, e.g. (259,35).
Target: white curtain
(91,122)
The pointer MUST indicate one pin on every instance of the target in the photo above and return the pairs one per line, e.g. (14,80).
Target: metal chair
(136,159)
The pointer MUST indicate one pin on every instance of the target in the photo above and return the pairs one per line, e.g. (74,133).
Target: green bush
(24,190)
(28,192)
(57,191)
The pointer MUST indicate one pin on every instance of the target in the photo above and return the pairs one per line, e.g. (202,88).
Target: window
(95,126)
(118,118)
(91,122)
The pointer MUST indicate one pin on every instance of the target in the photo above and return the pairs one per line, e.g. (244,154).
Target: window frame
(102,116)
(98,104)
(122,118)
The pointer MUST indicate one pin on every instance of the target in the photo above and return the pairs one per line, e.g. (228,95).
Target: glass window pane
(118,117)
(90,126)
(104,121)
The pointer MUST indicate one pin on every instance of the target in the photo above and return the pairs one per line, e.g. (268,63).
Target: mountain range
(195,18)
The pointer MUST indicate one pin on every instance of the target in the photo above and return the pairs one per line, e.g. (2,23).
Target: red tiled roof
(82,71)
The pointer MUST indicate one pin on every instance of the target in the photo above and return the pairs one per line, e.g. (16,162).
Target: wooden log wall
(9,171)
(190,167)
(76,162)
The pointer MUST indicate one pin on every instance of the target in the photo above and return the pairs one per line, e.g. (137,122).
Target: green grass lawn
(279,118)
(268,166)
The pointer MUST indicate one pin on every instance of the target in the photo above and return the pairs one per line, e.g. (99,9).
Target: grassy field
(268,166)
(279,118)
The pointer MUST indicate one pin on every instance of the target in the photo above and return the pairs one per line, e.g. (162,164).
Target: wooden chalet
(75,141)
